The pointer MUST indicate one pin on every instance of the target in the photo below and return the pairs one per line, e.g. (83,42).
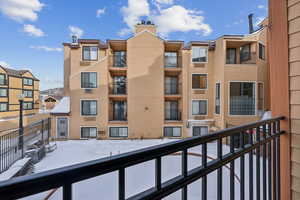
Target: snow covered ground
(139,177)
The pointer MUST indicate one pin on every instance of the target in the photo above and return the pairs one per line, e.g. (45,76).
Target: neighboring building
(12,84)
(147,87)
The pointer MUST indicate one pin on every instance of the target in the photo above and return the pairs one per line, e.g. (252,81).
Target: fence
(11,146)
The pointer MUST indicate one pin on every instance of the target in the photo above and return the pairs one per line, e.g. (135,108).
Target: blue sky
(32,31)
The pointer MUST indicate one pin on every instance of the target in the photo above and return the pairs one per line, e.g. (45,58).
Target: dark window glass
(245,53)
(262,53)
(88,79)
(231,56)
(172,131)
(200,130)
(88,107)
(171,85)
(199,107)
(172,111)
(242,98)
(118,132)
(88,132)
(120,110)
(218,99)
(120,59)
(199,81)
(2,79)
(119,85)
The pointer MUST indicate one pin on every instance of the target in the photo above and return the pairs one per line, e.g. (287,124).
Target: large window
(231,56)
(2,79)
(262,51)
(89,107)
(199,107)
(3,107)
(200,130)
(90,53)
(120,110)
(170,59)
(118,132)
(27,105)
(88,79)
(120,59)
(171,110)
(28,93)
(3,92)
(199,54)
(88,132)
(172,131)
(218,98)
(171,85)
(27,81)
(199,81)
(245,53)
(242,98)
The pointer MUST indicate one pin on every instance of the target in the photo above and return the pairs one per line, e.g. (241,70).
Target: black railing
(265,147)
(118,88)
(10,148)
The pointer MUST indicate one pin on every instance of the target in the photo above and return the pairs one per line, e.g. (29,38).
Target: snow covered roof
(62,107)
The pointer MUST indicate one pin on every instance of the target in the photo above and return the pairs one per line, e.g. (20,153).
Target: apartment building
(13,83)
(147,87)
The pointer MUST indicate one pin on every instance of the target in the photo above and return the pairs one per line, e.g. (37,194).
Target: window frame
(88,115)
(196,126)
(164,128)
(217,83)
(255,101)
(206,74)
(118,127)
(28,91)
(81,81)
(5,93)
(203,47)
(260,44)
(199,109)
(83,58)
(26,78)
(7,109)
(26,102)
(235,56)
(82,127)
(4,79)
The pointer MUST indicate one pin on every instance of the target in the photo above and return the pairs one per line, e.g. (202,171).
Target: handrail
(66,176)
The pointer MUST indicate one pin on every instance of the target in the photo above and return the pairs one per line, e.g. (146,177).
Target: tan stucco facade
(145,74)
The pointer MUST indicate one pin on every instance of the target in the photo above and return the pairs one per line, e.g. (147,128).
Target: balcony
(118,64)
(173,89)
(172,115)
(118,89)
(172,63)
(118,111)
(259,159)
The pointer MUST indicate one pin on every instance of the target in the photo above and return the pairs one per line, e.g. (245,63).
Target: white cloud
(260,6)
(124,31)
(4,64)
(33,31)
(178,18)
(168,2)
(134,11)
(74,30)
(100,12)
(239,22)
(21,10)
(45,48)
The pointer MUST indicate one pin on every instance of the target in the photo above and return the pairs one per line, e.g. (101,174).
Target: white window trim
(199,100)
(89,100)
(201,47)
(172,126)
(215,98)
(206,81)
(56,118)
(118,127)
(89,127)
(192,128)
(228,107)
(96,79)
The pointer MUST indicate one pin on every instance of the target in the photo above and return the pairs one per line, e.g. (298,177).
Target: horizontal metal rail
(66,176)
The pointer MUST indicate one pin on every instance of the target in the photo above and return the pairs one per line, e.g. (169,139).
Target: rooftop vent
(143,22)
(251,28)
(149,22)
(74,39)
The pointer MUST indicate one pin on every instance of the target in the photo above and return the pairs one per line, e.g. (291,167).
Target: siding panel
(294,40)
(294,25)
(295,126)
(292,2)
(294,54)
(295,68)
(293,11)
(294,83)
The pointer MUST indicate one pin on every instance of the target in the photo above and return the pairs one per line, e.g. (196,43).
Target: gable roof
(17,73)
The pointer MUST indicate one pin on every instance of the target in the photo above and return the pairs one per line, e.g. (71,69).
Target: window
(172,111)
(170,59)
(28,93)
(242,98)
(171,85)
(120,110)
(3,107)
(118,132)
(88,107)
(27,81)
(199,81)
(199,107)
(88,79)
(27,105)
(218,99)
(120,59)
(3,92)
(90,53)
(199,54)
(231,56)
(119,85)
(262,51)
(260,98)
(200,130)
(245,53)
(2,79)
(172,131)
(88,132)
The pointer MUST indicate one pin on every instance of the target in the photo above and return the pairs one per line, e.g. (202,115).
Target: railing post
(43,131)
(67,191)
(204,165)
(184,173)
(21,129)
(242,168)
(258,164)
(219,180)
(122,184)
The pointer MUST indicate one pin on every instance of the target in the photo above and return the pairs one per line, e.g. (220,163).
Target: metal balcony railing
(172,89)
(264,171)
(118,61)
(172,61)
(118,88)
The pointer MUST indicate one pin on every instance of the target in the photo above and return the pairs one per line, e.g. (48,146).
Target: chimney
(74,39)
(250,18)
(145,26)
